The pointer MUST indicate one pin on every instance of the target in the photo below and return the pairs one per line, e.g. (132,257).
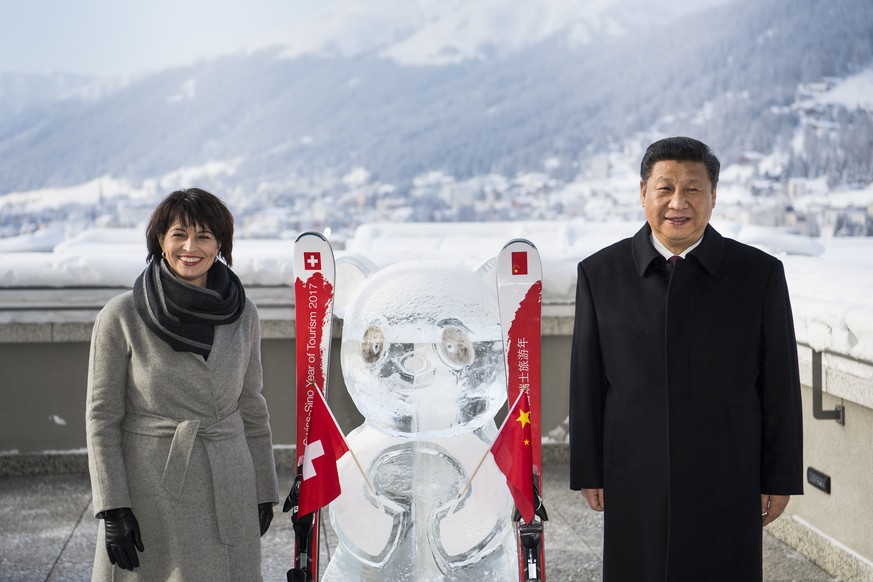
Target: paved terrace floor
(47,533)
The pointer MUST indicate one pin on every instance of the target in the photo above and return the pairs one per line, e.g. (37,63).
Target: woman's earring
(163,256)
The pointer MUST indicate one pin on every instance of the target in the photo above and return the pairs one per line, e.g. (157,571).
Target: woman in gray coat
(179,441)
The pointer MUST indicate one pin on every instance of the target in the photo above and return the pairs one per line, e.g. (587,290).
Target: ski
(315,274)
(519,296)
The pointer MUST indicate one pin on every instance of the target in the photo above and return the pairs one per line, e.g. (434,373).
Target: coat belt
(185,433)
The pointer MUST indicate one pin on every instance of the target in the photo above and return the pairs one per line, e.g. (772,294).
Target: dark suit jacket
(684,405)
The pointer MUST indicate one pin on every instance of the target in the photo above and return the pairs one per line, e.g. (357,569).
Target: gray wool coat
(185,442)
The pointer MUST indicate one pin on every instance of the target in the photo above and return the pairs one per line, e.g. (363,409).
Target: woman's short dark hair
(192,207)
(680,149)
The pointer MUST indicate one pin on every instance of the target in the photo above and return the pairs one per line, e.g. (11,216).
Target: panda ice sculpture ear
(488,271)
(351,272)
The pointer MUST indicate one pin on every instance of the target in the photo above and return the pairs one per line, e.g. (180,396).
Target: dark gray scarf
(185,315)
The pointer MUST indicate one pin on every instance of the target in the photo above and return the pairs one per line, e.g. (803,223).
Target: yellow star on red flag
(519,263)
(523,417)
(517,463)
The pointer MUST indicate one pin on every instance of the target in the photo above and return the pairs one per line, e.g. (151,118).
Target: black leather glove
(265,516)
(122,537)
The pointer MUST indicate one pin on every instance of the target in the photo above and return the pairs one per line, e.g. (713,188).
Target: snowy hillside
(442,32)
(516,87)
(529,115)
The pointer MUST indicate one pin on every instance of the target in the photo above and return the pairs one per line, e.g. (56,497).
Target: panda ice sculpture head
(422,350)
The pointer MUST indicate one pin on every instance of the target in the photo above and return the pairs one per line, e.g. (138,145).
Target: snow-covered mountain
(444,32)
(399,88)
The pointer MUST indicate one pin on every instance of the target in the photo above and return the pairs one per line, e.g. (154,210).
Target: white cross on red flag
(312,261)
(325,445)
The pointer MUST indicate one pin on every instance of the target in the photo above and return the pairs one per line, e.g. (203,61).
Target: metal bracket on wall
(839,413)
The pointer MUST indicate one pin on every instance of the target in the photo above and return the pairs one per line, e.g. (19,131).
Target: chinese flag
(519,262)
(512,452)
(325,445)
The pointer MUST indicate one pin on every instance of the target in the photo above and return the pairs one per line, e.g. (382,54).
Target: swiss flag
(512,452)
(312,261)
(325,445)
(519,262)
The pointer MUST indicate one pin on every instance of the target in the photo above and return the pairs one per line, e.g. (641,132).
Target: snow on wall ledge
(830,280)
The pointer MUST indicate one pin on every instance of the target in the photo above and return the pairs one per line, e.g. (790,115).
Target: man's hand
(594,497)
(772,507)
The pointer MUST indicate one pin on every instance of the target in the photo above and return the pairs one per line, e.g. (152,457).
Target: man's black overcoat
(684,405)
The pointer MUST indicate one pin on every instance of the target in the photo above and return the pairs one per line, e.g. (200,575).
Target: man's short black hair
(680,149)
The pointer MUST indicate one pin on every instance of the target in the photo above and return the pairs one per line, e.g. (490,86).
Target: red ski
(519,296)
(315,274)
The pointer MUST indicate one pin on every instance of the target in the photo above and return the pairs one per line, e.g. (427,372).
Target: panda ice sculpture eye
(373,344)
(456,347)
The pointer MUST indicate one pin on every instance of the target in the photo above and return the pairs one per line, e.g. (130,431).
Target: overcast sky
(107,37)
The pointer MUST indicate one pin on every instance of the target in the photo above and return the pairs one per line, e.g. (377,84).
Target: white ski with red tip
(519,295)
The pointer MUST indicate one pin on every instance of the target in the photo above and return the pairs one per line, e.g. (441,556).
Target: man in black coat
(685,395)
